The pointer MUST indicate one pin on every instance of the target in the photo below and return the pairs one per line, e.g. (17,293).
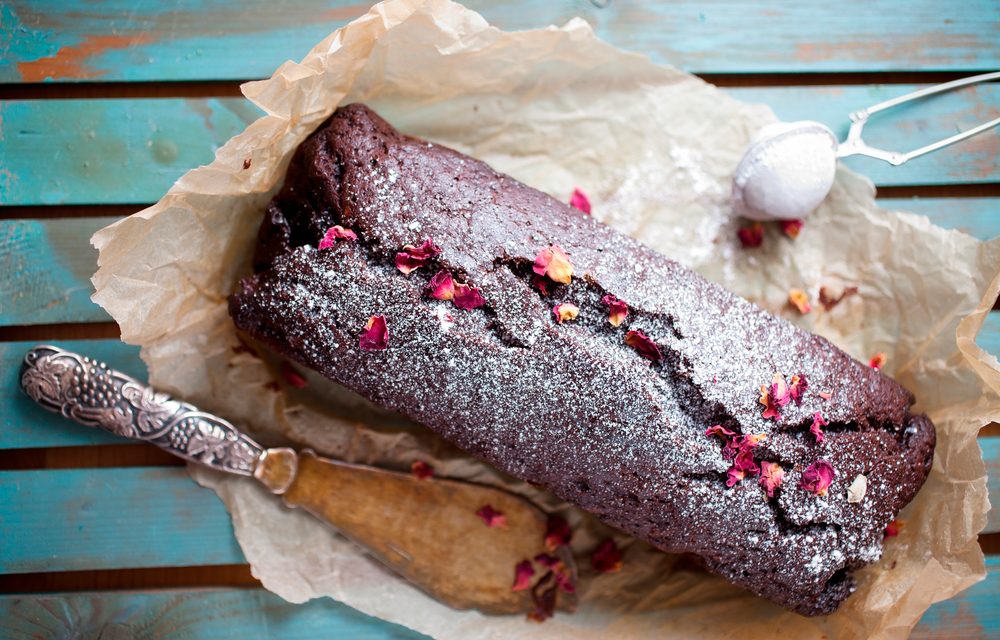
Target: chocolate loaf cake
(571,356)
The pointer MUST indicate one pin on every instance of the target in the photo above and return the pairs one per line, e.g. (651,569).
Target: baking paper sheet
(655,148)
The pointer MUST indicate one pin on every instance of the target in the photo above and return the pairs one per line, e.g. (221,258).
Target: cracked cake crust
(570,406)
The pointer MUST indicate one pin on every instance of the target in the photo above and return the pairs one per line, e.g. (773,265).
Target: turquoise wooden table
(104,103)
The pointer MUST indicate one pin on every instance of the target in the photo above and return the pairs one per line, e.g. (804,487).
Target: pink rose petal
(817,427)
(334,233)
(441,286)
(554,263)
(771,477)
(607,557)
(580,200)
(467,297)
(491,517)
(375,337)
(643,345)
(817,477)
(617,310)
(565,311)
(413,257)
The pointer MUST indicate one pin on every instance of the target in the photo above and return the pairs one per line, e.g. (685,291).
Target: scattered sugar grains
(513,405)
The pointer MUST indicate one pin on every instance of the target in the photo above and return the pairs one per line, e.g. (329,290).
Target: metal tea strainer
(788,167)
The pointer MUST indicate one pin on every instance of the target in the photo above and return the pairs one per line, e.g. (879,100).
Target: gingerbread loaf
(571,356)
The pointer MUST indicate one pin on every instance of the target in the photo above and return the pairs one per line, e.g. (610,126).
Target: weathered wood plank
(131,151)
(23,424)
(46,267)
(991,455)
(978,217)
(248,614)
(900,129)
(71,520)
(50,262)
(972,614)
(118,40)
(221,614)
(100,510)
(109,151)
(989,336)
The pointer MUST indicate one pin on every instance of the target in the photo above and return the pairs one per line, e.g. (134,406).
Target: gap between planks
(229,575)
(50,212)
(231,88)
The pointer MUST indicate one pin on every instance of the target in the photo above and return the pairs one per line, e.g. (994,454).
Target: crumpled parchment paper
(655,148)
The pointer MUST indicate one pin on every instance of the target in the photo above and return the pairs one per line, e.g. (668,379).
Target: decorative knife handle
(90,393)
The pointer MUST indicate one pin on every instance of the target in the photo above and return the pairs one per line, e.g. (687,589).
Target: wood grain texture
(23,424)
(971,615)
(47,267)
(66,520)
(109,151)
(100,512)
(131,151)
(991,455)
(220,614)
(48,263)
(251,614)
(118,40)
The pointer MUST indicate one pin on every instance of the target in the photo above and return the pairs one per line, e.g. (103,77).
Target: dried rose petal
(565,311)
(441,286)
(791,228)
(292,376)
(617,310)
(771,477)
(751,441)
(375,337)
(334,233)
(557,533)
(877,361)
(421,470)
(467,297)
(826,395)
(565,580)
(541,283)
(829,301)
(893,528)
(643,345)
(580,200)
(607,557)
(744,462)
(719,430)
(563,577)
(492,517)
(413,257)
(817,427)
(800,300)
(547,560)
(523,572)
(752,236)
(797,387)
(738,444)
(770,410)
(734,476)
(817,477)
(780,394)
(554,263)
(544,596)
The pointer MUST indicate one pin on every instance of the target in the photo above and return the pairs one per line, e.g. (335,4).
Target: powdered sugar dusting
(571,406)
